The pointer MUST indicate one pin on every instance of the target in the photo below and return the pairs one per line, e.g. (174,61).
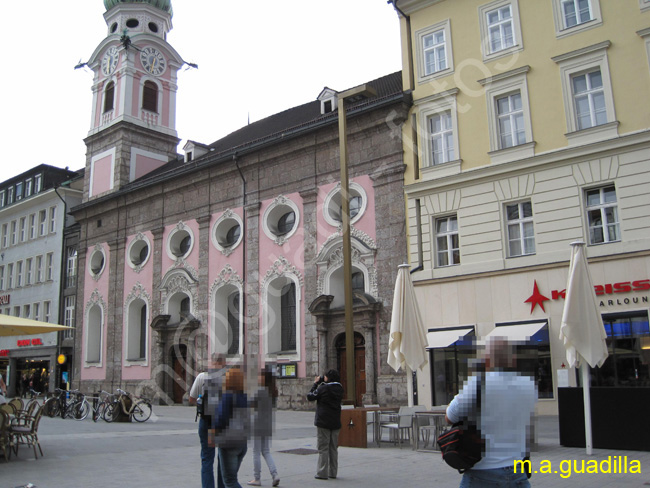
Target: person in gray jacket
(263,415)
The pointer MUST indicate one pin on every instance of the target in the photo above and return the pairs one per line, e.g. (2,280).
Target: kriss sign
(610,289)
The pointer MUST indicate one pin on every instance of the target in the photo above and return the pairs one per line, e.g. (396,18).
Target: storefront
(29,362)
(527,308)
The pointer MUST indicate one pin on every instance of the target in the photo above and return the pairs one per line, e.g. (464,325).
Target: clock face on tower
(109,61)
(153,61)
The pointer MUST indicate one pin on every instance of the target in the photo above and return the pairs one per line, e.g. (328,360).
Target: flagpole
(584,370)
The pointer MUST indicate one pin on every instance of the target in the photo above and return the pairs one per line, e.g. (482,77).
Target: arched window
(288,317)
(94,331)
(150,96)
(233,323)
(137,331)
(109,97)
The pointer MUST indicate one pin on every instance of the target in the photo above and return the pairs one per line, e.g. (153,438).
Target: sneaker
(255,483)
(320,477)
(276,481)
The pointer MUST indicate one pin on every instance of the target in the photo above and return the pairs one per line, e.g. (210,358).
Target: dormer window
(327,101)
(194,150)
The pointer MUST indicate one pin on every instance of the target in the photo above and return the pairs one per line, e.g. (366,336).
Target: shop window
(452,352)
(628,344)
(533,349)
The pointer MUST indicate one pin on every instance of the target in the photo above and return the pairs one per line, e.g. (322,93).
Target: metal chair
(370,418)
(6,443)
(400,427)
(27,433)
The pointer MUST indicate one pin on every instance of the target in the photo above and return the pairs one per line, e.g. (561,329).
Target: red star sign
(536,299)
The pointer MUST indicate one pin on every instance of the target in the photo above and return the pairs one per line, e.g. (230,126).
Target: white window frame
(518,43)
(576,63)
(49,266)
(47,311)
(427,108)
(39,269)
(132,336)
(561,29)
(520,223)
(29,271)
(3,197)
(42,222)
(496,87)
(19,274)
(645,33)
(27,311)
(14,232)
(70,302)
(29,187)
(602,206)
(644,5)
(5,235)
(32,226)
(38,183)
(445,28)
(10,276)
(2,278)
(448,235)
(23,229)
(52,219)
(36,309)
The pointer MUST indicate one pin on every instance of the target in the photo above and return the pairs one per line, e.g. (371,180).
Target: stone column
(80,316)
(315,341)
(252,279)
(158,360)
(368,330)
(115,315)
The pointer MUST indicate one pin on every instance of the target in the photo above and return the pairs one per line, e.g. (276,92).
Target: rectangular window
(42,220)
(68,318)
(16,311)
(2,278)
(27,311)
(589,99)
(52,219)
(14,233)
(47,311)
(49,263)
(10,276)
(628,341)
(441,134)
(575,12)
(500,29)
(29,271)
(23,229)
(39,269)
(5,235)
(32,226)
(447,241)
(2,199)
(434,48)
(71,268)
(29,187)
(510,114)
(10,195)
(521,235)
(36,310)
(38,183)
(19,190)
(602,212)
(19,274)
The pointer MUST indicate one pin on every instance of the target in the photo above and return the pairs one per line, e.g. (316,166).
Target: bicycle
(77,407)
(52,405)
(103,401)
(138,408)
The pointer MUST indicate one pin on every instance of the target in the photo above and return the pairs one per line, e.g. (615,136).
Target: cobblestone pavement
(164,452)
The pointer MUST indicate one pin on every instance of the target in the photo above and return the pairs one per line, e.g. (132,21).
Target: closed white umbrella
(407,341)
(582,327)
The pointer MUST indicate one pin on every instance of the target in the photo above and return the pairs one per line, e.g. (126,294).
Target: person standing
(263,414)
(327,392)
(210,382)
(230,427)
(505,417)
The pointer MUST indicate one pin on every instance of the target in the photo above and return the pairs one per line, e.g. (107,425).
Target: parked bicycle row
(108,406)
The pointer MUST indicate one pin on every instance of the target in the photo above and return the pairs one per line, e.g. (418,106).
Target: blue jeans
(230,460)
(207,459)
(262,447)
(494,478)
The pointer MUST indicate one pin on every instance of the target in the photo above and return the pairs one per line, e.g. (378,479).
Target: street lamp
(354,94)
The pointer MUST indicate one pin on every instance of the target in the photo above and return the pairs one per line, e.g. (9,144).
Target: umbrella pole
(409,385)
(584,369)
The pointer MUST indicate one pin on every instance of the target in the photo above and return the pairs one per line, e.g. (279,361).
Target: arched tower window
(150,96)
(109,97)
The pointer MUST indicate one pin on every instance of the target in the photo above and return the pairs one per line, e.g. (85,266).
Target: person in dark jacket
(327,392)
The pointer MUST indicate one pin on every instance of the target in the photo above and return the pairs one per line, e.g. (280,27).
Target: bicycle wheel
(142,411)
(81,409)
(51,407)
(99,412)
(111,411)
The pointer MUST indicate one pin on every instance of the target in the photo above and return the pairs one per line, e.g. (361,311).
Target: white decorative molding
(227,276)
(138,291)
(282,267)
(96,299)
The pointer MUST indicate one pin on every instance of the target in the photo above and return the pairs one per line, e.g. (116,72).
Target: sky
(255,58)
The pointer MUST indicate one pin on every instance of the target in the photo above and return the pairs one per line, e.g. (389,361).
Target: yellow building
(529,130)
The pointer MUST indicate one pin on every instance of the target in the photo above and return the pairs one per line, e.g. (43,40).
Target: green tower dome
(164,5)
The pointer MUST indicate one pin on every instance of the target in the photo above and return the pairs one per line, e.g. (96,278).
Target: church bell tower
(133,123)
